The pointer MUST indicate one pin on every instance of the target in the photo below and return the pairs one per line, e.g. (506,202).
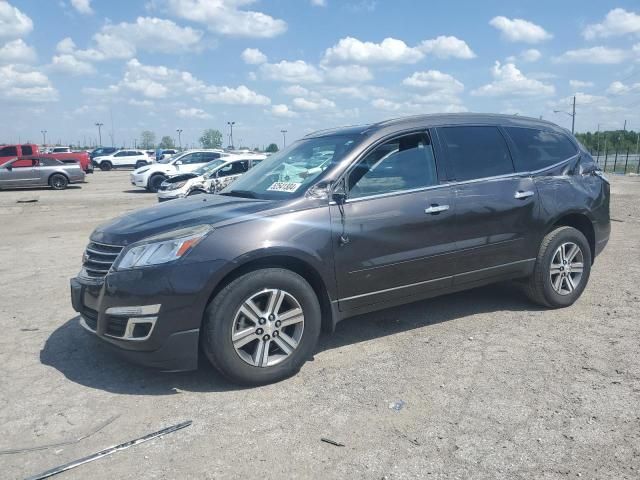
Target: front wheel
(155,182)
(140,164)
(105,166)
(561,270)
(262,327)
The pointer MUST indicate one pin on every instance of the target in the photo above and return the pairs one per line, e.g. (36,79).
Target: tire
(195,192)
(105,166)
(556,248)
(223,317)
(58,181)
(140,164)
(154,182)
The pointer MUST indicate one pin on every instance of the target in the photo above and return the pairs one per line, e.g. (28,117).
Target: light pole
(179,131)
(284,138)
(44,137)
(231,124)
(99,125)
(572,115)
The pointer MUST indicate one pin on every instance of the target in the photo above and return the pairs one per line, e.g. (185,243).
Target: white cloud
(296,91)
(17,51)
(434,81)
(13,23)
(617,22)
(390,50)
(281,110)
(519,30)
(531,55)
(24,84)
(141,103)
(253,56)
(235,96)
(594,55)
(619,88)
(297,71)
(194,113)
(319,3)
(312,105)
(348,74)
(447,46)
(226,17)
(82,6)
(123,40)
(160,82)
(580,84)
(509,81)
(388,105)
(66,63)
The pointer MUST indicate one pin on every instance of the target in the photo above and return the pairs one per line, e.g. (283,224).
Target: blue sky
(302,65)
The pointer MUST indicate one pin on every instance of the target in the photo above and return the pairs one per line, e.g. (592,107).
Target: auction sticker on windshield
(284,187)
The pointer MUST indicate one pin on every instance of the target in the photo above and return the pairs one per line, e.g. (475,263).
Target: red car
(9,152)
(74,157)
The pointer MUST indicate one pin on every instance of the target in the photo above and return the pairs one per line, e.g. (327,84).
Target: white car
(209,178)
(123,158)
(152,176)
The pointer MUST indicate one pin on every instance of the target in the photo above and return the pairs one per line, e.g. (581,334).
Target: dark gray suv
(343,222)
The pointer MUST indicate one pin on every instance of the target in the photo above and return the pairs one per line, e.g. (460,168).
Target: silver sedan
(36,172)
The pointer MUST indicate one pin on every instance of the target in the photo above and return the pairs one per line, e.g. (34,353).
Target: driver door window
(404,163)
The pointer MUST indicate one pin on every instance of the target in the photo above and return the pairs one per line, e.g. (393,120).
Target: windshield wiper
(240,193)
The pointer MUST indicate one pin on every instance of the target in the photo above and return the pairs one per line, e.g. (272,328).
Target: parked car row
(63,154)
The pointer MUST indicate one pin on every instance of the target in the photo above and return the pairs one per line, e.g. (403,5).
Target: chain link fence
(618,162)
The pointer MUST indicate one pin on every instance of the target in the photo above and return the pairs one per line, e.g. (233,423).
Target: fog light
(134,310)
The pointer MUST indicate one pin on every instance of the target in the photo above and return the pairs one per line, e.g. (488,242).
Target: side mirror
(339,194)
(9,167)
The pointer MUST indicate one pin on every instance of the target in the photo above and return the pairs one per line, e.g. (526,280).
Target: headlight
(175,186)
(164,248)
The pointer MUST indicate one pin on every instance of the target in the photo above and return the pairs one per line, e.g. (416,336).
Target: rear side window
(27,150)
(537,149)
(476,152)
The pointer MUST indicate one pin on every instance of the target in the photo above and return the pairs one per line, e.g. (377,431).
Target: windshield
(172,159)
(207,168)
(291,172)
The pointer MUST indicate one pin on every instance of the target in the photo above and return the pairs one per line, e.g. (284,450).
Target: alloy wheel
(267,328)
(567,265)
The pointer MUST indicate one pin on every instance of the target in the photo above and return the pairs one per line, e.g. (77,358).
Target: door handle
(523,194)
(436,209)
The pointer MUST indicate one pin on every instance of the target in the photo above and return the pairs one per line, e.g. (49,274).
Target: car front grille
(98,258)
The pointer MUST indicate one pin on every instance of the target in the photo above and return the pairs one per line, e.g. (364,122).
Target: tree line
(210,138)
(616,140)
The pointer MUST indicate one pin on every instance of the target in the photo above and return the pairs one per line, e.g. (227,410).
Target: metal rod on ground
(109,451)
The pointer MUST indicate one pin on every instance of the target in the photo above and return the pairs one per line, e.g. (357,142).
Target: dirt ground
(493,387)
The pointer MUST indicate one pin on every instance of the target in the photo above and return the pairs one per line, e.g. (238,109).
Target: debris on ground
(29,200)
(63,443)
(332,442)
(397,405)
(109,451)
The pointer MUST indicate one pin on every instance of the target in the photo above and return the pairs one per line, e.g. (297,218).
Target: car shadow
(40,189)
(137,190)
(85,360)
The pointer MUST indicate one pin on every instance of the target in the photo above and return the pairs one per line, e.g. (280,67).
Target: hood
(181,177)
(179,213)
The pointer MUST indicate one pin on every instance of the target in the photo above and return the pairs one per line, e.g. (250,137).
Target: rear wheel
(140,163)
(561,270)
(154,182)
(105,166)
(57,181)
(262,327)
(195,192)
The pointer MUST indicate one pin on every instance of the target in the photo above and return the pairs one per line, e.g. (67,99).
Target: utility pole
(44,137)
(598,143)
(284,138)
(231,124)
(573,116)
(99,125)
(179,131)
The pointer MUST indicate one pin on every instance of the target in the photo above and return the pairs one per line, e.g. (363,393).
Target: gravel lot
(493,387)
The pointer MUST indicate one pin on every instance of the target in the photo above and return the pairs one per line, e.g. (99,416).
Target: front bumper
(138,180)
(164,195)
(180,293)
